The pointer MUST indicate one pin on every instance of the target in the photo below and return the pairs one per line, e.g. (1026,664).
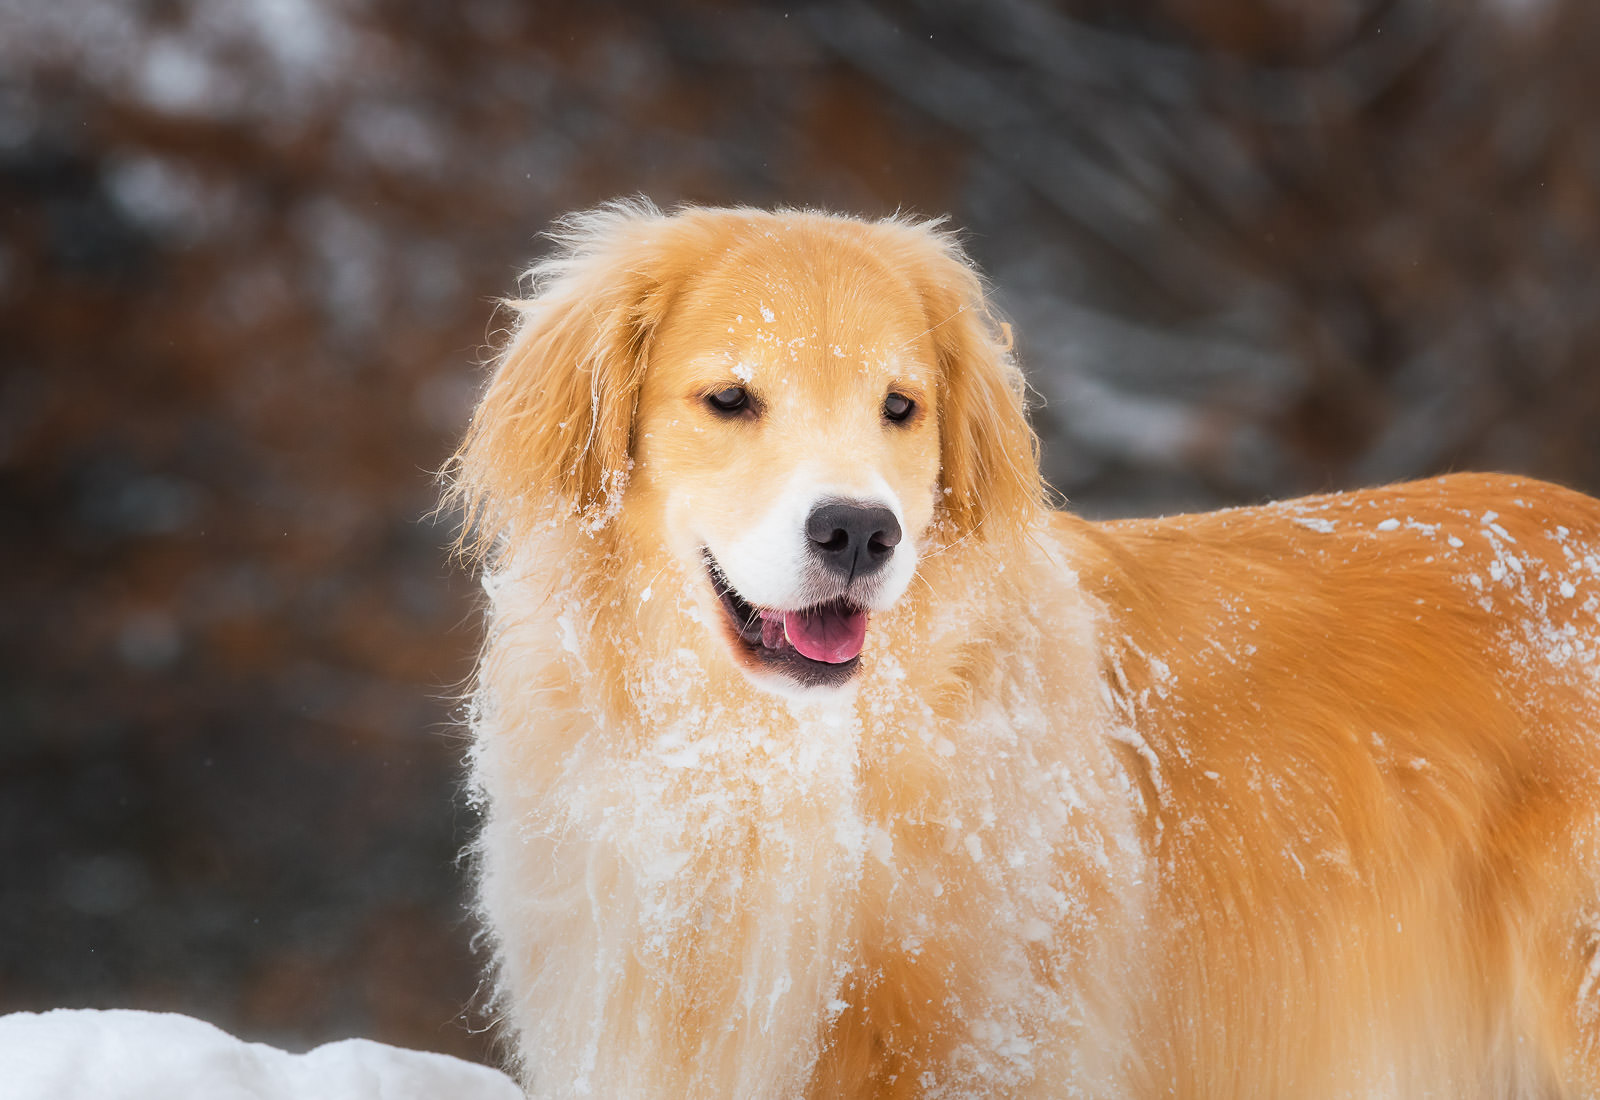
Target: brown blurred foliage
(248,251)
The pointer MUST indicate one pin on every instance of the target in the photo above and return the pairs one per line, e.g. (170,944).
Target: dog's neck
(620,635)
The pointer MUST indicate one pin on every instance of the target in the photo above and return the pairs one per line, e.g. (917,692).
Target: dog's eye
(729,400)
(897,406)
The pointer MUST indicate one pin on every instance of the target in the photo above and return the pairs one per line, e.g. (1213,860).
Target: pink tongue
(828,633)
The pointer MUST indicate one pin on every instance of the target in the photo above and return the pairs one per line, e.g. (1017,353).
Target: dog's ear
(989,455)
(551,433)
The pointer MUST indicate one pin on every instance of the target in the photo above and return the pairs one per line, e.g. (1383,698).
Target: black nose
(852,540)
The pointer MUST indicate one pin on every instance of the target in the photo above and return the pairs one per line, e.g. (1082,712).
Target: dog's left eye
(729,400)
(897,406)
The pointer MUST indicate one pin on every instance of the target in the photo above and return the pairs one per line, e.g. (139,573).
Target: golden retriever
(820,758)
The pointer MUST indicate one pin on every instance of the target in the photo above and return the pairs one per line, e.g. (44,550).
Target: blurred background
(248,251)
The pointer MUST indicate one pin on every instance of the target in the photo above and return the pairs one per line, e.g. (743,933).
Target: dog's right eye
(729,400)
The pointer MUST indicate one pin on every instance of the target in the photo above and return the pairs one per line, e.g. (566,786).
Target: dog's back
(1366,730)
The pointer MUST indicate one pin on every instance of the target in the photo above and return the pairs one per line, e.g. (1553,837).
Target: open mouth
(819,646)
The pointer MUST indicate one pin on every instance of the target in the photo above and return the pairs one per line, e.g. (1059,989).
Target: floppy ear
(551,433)
(989,455)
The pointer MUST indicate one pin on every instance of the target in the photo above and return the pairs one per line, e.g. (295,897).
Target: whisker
(930,328)
(649,584)
(957,542)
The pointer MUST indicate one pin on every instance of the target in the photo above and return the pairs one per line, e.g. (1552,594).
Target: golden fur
(1289,801)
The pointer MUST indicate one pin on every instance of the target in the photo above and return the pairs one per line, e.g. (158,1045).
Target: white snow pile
(86,1054)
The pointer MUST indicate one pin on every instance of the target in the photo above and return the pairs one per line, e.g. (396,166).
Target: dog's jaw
(757,639)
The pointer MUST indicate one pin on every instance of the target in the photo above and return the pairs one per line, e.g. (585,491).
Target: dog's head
(790,404)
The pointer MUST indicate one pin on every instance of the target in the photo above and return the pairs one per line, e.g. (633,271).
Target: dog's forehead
(793,315)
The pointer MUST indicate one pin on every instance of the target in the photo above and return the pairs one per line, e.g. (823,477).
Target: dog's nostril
(840,540)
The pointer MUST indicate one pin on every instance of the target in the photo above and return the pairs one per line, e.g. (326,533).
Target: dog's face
(785,403)
(787,444)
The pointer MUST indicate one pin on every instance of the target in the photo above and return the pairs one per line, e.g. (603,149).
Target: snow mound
(85,1054)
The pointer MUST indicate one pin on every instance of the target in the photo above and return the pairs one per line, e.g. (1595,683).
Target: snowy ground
(84,1054)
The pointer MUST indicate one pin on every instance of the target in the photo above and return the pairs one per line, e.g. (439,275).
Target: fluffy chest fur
(896,891)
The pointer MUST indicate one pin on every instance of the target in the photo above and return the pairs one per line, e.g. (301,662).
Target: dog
(820,757)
